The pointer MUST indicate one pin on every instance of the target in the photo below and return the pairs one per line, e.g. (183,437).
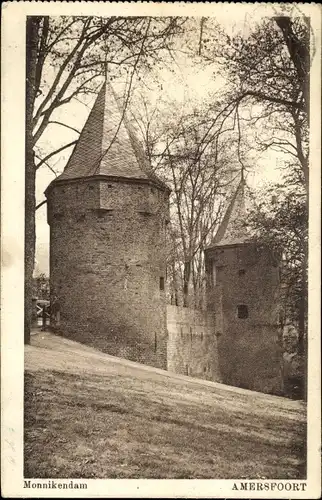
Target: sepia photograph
(167,278)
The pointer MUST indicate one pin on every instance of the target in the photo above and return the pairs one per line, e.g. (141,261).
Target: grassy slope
(90,415)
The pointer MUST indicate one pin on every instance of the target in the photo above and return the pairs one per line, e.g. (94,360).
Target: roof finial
(105,64)
(242,176)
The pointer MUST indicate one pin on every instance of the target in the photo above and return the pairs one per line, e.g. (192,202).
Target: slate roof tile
(108,145)
(232,229)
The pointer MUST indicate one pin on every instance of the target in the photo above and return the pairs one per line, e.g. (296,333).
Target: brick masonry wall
(192,344)
(107,255)
(249,350)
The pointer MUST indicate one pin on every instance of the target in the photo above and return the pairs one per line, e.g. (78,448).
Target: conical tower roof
(108,145)
(232,229)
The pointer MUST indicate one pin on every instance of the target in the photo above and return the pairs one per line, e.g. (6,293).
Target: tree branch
(264,97)
(46,114)
(300,153)
(47,165)
(299,53)
(44,160)
(41,204)
(60,72)
(64,125)
(58,38)
(96,166)
(202,22)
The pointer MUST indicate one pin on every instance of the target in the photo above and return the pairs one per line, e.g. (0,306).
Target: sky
(190,83)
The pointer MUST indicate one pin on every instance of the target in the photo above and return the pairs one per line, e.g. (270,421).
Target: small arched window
(242,311)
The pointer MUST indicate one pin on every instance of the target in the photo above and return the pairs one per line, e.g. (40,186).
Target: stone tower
(107,214)
(243,290)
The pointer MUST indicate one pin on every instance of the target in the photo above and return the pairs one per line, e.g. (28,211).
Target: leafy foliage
(280,221)
(41,286)
(267,73)
(267,70)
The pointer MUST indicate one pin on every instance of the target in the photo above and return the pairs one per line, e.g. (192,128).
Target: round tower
(243,289)
(107,214)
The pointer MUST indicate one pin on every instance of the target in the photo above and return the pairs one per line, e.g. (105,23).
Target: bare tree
(279,220)
(267,72)
(194,153)
(66,57)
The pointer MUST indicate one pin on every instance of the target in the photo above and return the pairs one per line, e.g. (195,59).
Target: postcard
(160,226)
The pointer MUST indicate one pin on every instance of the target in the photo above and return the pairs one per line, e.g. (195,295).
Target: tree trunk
(186,281)
(301,334)
(299,53)
(30,171)
(174,284)
(302,311)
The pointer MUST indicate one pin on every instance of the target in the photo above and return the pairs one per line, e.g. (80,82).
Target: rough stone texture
(192,344)
(107,254)
(250,355)
(107,214)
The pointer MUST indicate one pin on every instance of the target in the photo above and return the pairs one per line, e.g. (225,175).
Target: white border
(12,250)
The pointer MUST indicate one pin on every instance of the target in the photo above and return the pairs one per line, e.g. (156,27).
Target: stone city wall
(192,344)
